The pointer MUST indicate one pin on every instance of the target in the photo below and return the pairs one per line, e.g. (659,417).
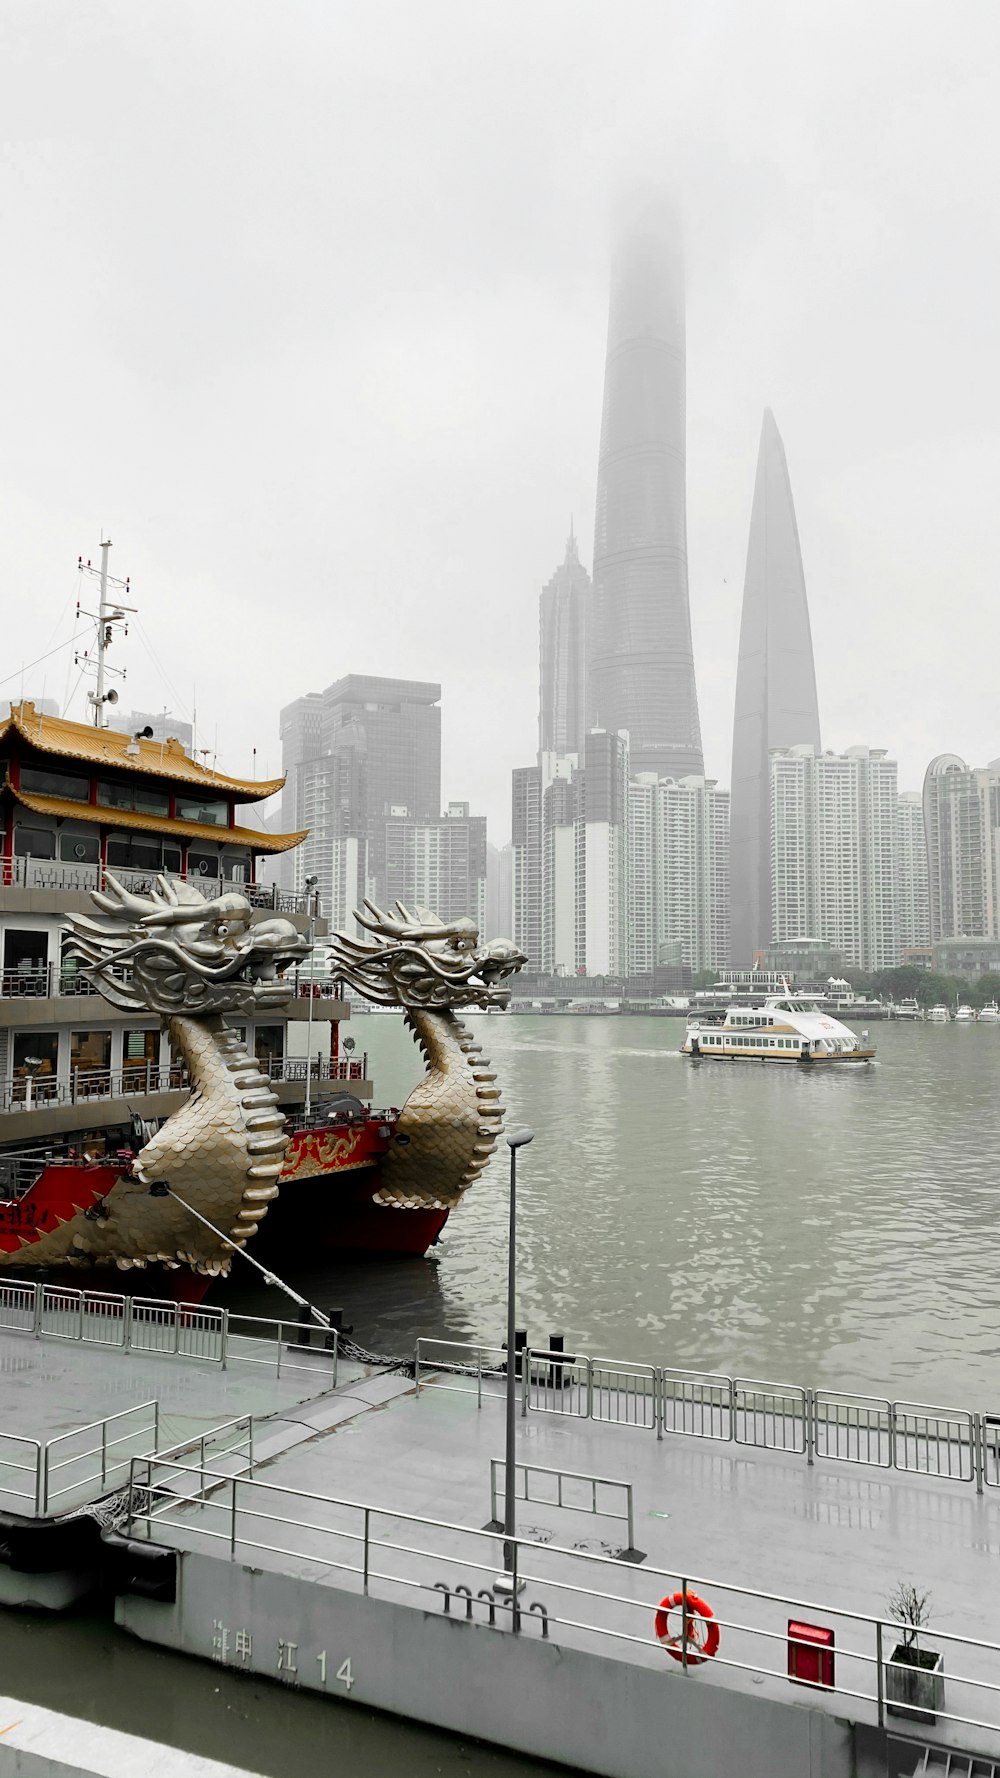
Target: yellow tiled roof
(63,808)
(106,747)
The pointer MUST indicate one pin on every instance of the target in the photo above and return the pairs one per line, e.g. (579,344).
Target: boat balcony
(54,874)
(48,995)
(86,1085)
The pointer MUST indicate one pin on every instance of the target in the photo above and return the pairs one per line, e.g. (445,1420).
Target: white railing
(950,1444)
(135,1078)
(590,1601)
(168,1330)
(56,873)
(43,1476)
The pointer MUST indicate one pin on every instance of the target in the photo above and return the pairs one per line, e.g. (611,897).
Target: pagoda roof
(64,809)
(106,747)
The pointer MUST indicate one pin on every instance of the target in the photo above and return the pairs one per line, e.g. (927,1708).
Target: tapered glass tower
(640,668)
(775,689)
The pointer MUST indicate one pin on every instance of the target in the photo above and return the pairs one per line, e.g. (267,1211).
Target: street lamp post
(505,1582)
(311,883)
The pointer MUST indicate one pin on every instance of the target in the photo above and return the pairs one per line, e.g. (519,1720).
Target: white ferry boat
(786,1028)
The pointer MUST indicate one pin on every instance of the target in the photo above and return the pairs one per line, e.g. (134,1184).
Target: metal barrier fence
(556,1496)
(585,1600)
(162,1329)
(950,1444)
(46,1475)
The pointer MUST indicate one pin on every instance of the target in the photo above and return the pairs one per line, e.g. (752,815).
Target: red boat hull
(325,1203)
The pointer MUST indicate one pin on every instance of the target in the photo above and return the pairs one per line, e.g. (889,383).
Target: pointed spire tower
(775,689)
(640,673)
(562,615)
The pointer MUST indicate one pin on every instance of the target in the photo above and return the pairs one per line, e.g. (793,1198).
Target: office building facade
(562,627)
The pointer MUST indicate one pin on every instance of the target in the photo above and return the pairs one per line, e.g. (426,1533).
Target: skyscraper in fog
(775,689)
(562,656)
(356,755)
(640,667)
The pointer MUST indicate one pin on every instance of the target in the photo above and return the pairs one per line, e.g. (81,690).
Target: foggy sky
(307,305)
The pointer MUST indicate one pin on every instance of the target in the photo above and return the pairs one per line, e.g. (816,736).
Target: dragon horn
(381,923)
(188,913)
(120,900)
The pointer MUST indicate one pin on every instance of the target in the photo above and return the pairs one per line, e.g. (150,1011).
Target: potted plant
(914,1676)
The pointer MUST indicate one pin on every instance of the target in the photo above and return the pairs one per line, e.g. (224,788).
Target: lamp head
(520,1138)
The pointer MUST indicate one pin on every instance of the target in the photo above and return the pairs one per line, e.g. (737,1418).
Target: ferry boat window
(34,842)
(142,852)
(24,953)
(136,851)
(90,1053)
(79,848)
(65,784)
(144,798)
(210,811)
(140,1049)
(35,1053)
(269,1044)
(203,864)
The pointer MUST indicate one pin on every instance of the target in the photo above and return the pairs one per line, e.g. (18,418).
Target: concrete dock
(332,1525)
(338,1565)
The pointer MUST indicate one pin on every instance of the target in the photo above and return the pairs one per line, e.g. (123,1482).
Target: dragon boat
(199,1186)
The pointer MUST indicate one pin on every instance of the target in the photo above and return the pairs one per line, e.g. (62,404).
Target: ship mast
(108,616)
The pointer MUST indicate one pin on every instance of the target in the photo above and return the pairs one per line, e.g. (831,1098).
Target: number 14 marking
(343,1672)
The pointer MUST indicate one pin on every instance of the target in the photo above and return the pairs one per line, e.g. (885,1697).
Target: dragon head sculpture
(418,961)
(174,953)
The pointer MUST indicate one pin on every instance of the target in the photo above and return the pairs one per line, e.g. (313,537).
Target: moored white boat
(990,1013)
(784,1029)
(938,1015)
(964,1015)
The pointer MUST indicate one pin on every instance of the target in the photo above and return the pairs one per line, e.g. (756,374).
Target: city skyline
(321,446)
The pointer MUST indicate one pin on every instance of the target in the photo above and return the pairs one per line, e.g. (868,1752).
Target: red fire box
(810,1654)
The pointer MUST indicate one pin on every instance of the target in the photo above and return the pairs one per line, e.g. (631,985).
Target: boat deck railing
(60,874)
(51,1475)
(567,1595)
(819,1425)
(162,1329)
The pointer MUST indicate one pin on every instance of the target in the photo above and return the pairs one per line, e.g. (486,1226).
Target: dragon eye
(223,930)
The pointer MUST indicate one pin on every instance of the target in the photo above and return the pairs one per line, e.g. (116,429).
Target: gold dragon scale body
(450,1123)
(192,962)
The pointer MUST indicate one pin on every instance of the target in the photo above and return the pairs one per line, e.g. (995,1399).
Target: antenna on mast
(108,616)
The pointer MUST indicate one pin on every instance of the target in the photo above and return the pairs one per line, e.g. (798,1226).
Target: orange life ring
(702,1629)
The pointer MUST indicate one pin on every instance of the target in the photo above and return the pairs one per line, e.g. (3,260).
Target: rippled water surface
(824,1227)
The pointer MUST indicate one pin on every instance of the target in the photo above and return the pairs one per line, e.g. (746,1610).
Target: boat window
(79,848)
(136,851)
(34,842)
(65,784)
(203,864)
(89,1051)
(144,798)
(208,811)
(35,1057)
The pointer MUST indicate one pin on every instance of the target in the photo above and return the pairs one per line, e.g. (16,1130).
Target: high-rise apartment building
(678,873)
(499,891)
(603,882)
(962,827)
(562,629)
(913,906)
(776,702)
(640,665)
(438,864)
(526,863)
(563,932)
(833,852)
(364,750)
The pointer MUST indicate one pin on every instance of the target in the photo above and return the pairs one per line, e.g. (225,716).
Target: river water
(835,1227)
